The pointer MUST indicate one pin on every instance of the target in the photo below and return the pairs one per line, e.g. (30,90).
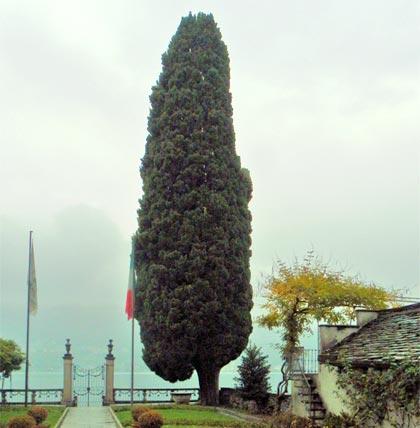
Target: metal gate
(88,386)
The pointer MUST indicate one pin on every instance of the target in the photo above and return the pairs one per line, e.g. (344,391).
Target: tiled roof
(393,335)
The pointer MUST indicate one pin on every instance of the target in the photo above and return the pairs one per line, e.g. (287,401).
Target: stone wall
(334,398)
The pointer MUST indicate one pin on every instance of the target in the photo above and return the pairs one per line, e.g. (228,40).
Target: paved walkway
(88,417)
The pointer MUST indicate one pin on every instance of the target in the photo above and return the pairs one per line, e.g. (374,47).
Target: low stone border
(60,421)
(115,418)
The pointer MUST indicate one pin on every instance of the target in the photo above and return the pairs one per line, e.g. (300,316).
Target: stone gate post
(109,375)
(67,399)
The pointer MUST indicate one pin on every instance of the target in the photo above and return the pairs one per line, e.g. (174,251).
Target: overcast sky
(326,98)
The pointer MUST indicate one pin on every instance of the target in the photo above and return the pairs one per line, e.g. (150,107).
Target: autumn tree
(310,290)
(193,242)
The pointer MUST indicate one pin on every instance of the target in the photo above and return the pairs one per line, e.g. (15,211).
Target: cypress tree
(193,242)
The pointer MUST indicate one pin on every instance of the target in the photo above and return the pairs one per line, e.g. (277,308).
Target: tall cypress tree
(193,243)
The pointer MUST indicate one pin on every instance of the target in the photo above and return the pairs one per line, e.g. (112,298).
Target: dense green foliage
(253,376)
(11,357)
(193,243)
(390,394)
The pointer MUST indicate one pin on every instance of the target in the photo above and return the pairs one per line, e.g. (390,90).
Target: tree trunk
(208,377)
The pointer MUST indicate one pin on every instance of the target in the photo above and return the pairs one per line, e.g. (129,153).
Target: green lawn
(192,416)
(7,412)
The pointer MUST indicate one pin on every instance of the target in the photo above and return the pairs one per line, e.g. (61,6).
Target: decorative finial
(68,347)
(110,347)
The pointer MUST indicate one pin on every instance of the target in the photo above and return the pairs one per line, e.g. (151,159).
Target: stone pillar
(68,376)
(109,375)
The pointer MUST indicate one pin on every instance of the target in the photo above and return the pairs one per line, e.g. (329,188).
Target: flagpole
(132,358)
(130,311)
(27,323)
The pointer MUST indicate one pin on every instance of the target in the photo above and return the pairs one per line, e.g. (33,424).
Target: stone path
(241,415)
(88,417)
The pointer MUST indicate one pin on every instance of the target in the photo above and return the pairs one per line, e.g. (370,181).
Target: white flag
(33,299)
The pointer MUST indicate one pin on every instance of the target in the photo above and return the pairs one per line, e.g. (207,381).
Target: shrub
(252,406)
(150,419)
(288,420)
(339,421)
(254,371)
(138,410)
(236,401)
(39,413)
(21,422)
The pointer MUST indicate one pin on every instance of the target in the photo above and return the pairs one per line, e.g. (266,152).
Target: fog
(326,104)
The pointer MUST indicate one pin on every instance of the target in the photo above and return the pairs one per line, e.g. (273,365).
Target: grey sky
(326,98)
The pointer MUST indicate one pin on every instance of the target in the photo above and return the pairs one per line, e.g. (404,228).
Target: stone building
(378,337)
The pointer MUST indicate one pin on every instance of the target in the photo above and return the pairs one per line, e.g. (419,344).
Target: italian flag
(129,301)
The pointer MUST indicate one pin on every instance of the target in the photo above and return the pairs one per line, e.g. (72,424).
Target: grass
(7,412)
(192,416)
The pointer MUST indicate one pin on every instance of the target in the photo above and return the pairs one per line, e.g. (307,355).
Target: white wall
(330,335)
(332,396)
(363,317)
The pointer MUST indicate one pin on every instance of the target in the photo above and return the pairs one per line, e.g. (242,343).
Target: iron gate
(88,386)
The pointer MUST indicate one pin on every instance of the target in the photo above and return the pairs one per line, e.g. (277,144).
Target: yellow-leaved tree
(310,290)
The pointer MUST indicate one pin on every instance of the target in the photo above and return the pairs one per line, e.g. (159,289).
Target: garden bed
(7,412)
(191,416)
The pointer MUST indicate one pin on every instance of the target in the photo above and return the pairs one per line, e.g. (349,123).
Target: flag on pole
(33,298)
(129,310)
(129,301)
(31,308)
